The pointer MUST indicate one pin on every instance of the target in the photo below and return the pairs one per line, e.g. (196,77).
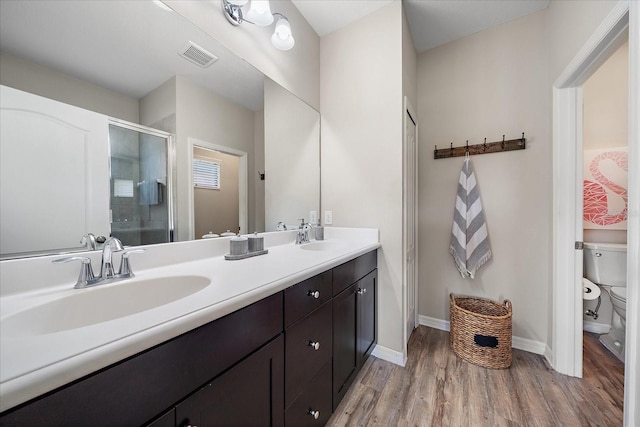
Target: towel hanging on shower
(469,238)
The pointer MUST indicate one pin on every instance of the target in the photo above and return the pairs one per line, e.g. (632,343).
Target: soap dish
(247,255)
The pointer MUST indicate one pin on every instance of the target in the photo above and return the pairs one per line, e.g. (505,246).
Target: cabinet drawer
(303,360)
(303,298)
(352,271)
(314,400)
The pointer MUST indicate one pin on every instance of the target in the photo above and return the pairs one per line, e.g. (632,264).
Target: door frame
(566,352)
(243,183)
(408,110)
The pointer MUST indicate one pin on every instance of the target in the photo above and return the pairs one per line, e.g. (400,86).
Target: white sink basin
(85,307)
(322,245)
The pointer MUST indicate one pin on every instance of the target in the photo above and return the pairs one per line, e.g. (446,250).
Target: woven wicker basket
(481,331)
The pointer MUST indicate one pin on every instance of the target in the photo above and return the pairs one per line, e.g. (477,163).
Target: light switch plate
(313,217)
(328,217)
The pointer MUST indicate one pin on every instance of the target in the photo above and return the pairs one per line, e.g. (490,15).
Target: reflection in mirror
(54,174)
(292,158)
(72,52)
(140,196)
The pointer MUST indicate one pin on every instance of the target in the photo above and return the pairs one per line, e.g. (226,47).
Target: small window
(122,188)
(206,174)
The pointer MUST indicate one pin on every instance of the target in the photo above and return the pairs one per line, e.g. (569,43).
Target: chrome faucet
(89,240)
(111,245)
(281,226)
(86,277)
(303,233)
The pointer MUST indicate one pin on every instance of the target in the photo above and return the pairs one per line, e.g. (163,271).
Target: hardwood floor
(437,388)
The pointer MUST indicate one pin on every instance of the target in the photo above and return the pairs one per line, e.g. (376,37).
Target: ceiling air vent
(197,55)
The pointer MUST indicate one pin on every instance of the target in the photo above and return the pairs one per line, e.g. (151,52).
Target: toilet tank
(606,263)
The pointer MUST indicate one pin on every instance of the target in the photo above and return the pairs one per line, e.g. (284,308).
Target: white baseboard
(525,344)
(389,355)
(595,327)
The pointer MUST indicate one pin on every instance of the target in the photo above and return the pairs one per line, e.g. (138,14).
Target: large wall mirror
(137,62)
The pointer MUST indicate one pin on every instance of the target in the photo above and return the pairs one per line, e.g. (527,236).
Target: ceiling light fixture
(260,14)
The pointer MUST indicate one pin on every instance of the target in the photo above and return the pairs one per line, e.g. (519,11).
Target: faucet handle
(86,271)
(125,265)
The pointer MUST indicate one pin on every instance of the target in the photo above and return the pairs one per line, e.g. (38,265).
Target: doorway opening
(218,195)
(565,353)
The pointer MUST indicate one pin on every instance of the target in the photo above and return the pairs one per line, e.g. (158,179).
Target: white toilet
(606,265)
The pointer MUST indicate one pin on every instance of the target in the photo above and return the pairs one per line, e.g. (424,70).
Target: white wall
(37,79)
(202,115)
(291,157)
(361,105)
(486,85)
(297,70)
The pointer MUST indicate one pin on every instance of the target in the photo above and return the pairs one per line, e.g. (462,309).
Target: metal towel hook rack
(482,148)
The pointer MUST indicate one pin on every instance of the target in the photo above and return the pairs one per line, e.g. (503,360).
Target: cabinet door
(249,394)
(344,341)
(366,315)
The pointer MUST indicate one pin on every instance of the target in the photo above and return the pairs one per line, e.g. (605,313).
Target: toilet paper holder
(594,313)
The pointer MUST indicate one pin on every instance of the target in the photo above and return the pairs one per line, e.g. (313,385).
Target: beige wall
(606,99)
(297,70)
(204,116)
(291,157)
(486,85)
(217,210)
(361,84)
(409,64)
(30,77)
(570,24)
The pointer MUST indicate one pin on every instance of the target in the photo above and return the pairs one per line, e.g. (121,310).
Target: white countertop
(32,363)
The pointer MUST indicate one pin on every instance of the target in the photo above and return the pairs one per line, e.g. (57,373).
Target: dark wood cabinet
(249,394)
(308,349)
(285,360)
(313,405)
(137,390)
(344,342)
(367,316)
(354,320)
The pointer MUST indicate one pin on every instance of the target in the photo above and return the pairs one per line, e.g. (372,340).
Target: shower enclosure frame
(171,163)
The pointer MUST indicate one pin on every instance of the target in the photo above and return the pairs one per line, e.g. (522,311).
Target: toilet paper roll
(589,289)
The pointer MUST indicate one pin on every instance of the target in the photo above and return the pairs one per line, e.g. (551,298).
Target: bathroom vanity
(286,358)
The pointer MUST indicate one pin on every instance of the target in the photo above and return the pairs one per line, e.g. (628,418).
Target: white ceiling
(432,22)
(130,47)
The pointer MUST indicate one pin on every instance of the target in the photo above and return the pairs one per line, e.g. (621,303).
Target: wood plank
(436,388)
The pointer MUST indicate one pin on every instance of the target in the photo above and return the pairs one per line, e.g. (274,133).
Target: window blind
(206,174)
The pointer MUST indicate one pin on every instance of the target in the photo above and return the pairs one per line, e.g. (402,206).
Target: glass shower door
(141,196)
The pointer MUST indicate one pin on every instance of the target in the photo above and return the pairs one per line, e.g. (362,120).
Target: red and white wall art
(605,188)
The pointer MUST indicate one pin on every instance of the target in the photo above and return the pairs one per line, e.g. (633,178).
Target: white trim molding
(595,327)
(389,355)
(632,344)
(525,344)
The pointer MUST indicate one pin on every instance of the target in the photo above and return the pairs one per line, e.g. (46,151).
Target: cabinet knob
(362,291)
(315,294)
(314,414)
(314,344)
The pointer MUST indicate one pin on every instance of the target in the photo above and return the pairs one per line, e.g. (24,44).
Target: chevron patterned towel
(469,238)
